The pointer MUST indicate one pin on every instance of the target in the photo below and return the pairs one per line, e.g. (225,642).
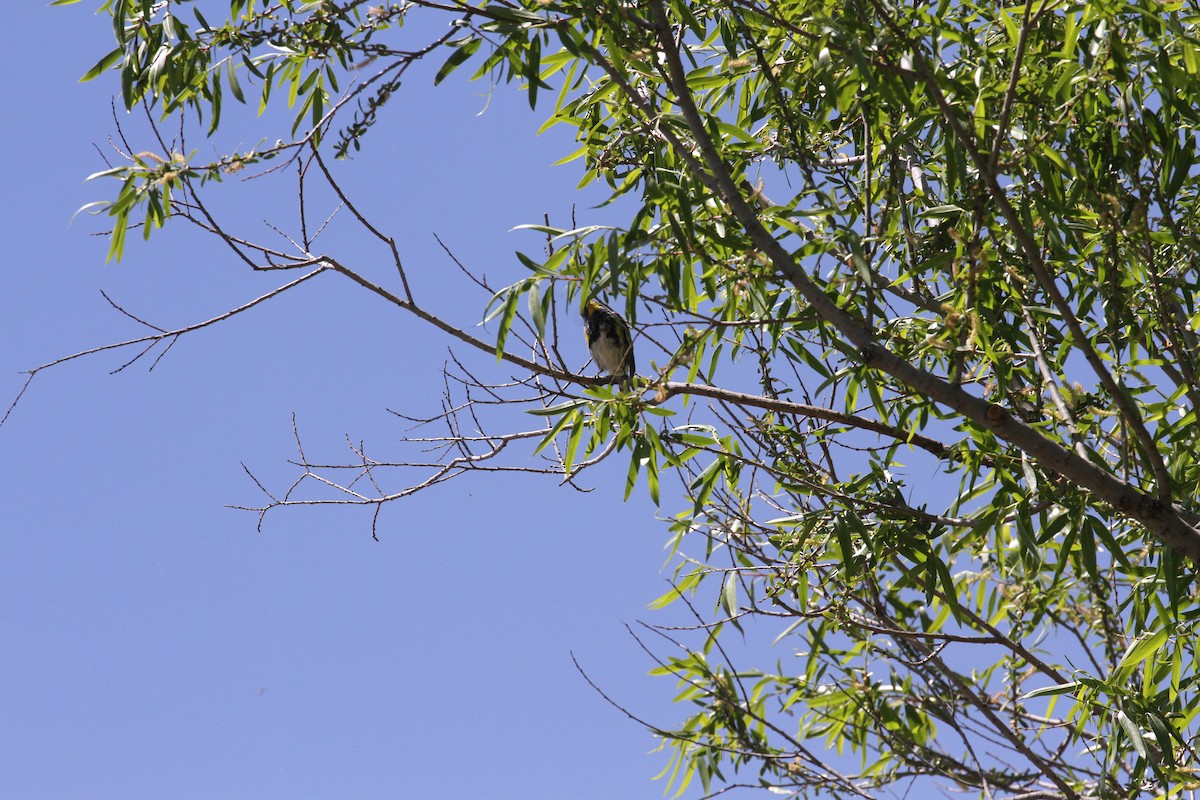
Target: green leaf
(537,309)
(572,418)
(464,49)
(104,64)
(547,269)
(1164,736)
(653,448)
(1133,732)
(234,87)
(1048,691)
(108,173)
(532,70)
(560,408)
(506,320)
(1145,646)
(686,584)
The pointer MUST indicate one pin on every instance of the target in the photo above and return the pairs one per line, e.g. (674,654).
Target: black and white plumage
(608,340)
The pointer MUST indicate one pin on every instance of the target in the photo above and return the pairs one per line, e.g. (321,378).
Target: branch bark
(1169,522)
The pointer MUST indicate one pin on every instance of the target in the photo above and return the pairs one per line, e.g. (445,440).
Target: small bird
(609,340)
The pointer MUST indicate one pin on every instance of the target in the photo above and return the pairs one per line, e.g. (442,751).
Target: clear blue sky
(152,643)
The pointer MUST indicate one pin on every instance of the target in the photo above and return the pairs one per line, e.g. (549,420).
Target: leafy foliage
(953,249)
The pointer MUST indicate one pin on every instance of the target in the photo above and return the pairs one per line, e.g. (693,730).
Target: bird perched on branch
(609,340)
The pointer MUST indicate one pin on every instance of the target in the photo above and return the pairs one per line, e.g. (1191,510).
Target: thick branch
(1042,272)
(1170,523)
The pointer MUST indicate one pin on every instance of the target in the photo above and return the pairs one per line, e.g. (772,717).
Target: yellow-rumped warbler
(609,340)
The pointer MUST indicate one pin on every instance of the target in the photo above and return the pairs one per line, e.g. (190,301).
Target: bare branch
(154,339)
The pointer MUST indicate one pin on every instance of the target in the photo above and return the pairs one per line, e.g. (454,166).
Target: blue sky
(153,642)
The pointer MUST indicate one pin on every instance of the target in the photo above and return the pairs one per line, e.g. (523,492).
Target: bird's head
(592,306)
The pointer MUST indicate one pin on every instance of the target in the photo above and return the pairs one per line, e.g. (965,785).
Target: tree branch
(1169,522)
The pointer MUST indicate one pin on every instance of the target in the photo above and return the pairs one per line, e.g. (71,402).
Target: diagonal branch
(1041,270)
(1170,523)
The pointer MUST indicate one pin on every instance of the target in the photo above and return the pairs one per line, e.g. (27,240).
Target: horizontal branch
(932,446)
